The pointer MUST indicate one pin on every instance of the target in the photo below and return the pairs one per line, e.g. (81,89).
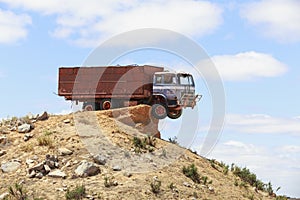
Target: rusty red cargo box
(83,83)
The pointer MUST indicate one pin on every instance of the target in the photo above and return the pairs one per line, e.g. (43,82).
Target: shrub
(173,140)
(77,193)
(172,186)
(28,147)
(45,141)
(146,144)
(245,175)
(191,172)
(155,186)
(108,181)
(17,192)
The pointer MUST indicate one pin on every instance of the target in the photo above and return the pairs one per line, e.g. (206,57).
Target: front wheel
(159,111)
(175,114)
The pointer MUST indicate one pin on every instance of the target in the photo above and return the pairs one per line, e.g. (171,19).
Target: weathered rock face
(10,166)
(87,169)
(138,117)
(24,128)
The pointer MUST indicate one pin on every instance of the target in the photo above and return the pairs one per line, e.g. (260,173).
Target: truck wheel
(105,104)
(159,111)
(175,114)
(88,107)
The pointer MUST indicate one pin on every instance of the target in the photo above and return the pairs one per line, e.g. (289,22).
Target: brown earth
(111,133)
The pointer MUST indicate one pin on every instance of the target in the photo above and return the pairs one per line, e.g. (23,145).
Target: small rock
(117,168)
(4,131)
(115,183)
(67,121)
(43,117)
(38,167)
(87,169)
(30,163)
(89,197)
(47,168)
(32,174)
(24,128)
(4,196)
(3,140)
(68,164)
(64,151)
(10,166)
(211,189)
(60,189)
(30,116)
(127,174)
(57,174)
(2,152)
(35,157)
(186,184)
(99,159)
(39,175)
(27,136)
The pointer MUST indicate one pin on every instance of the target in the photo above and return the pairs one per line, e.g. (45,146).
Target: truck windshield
(165,79)
(185,79)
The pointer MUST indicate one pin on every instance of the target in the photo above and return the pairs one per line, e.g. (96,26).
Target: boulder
(57,174)
(10,166)
(24,128)
(87,169)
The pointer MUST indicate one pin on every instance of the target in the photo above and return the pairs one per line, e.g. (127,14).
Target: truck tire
(89,106)
(175,114)
(105,104)
(159,111)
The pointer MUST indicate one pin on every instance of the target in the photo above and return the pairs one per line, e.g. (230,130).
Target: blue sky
(254,45)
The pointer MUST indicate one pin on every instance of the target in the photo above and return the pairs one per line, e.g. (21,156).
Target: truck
(109,87)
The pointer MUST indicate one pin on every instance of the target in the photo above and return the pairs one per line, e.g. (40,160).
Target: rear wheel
(175,114)
(159,111)
(89,106)
(105,104)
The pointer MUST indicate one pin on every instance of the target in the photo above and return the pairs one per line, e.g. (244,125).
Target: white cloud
(89,22)
(262,124)
(290,149)
(13,26)
(278,19)
(266,163)
(247,66)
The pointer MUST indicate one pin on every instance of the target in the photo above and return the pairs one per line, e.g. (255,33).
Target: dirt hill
(107,155)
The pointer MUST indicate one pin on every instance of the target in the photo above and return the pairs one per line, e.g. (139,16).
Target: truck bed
(81,83)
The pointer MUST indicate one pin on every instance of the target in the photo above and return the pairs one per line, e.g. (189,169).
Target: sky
(255,46)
